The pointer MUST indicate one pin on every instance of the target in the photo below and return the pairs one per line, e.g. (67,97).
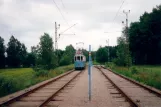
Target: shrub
(134,70)
(40,71)
(110,65)
(65,60)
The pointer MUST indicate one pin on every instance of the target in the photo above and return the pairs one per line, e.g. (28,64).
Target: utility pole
(127,35)
(62,33)
(126,27)
(56,37)
(107,41)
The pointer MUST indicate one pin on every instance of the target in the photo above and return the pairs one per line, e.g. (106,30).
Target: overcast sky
(27,20)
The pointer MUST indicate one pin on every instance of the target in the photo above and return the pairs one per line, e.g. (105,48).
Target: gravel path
(77,96)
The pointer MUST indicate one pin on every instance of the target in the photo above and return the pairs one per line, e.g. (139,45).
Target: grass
(12,80)
(147,74)
(95,63)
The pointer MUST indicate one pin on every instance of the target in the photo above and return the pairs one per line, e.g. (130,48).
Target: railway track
(42,94)
(138,95)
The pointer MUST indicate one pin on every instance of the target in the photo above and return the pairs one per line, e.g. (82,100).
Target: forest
(139,44)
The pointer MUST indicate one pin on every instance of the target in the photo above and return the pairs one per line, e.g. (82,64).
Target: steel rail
(149,88)
(132,103)
(55,93)
(27,92)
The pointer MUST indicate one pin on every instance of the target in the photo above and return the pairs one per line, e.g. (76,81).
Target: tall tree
(102,55)
(23,54)
(121,52)
(13,52)
(70,51)
(46,51)
(68,56)
(30,60)
(145,38)
(2,51)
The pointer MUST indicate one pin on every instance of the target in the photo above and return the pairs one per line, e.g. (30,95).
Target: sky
(27,20)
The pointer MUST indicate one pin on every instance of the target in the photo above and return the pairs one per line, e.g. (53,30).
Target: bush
(40,72)
(65,60)
(7,86)
(134,70)
(110,65)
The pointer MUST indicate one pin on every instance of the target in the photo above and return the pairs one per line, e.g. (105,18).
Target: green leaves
(2,51)
(145,38)
(16,52)
(102,55)
(46,52)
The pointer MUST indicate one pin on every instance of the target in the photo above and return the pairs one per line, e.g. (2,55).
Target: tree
(16,52)
(2,51)
(65,60)
(30,60)
(46,52)
(102,55)
(70,52)
(23,54)
(121,59)
(59,53)
(13,52)
(145,38)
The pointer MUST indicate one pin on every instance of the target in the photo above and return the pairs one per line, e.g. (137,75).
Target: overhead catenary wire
(62,4)
(68,29)
(60,12)
(117,12)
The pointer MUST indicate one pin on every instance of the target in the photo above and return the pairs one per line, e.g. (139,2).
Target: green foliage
(134,70)
(30,60)
(12,80)
(145,38)
(59,53)
(65,60)
(110,65)
(16,52)
(41,72)
(70,52)
(95,63)
(68,56)
(149,75)
(102,55)
(123,54)
(46,54)
(2,51)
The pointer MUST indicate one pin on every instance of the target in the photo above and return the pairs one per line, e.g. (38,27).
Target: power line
(118,10)
(62,4)
(68,29)
(60,12)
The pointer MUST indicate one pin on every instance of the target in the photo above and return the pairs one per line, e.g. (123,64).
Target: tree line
(145,38)
(139,44)
(15,54)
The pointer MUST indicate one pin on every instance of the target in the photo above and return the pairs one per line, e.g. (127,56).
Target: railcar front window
(81,58)
(78,58)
